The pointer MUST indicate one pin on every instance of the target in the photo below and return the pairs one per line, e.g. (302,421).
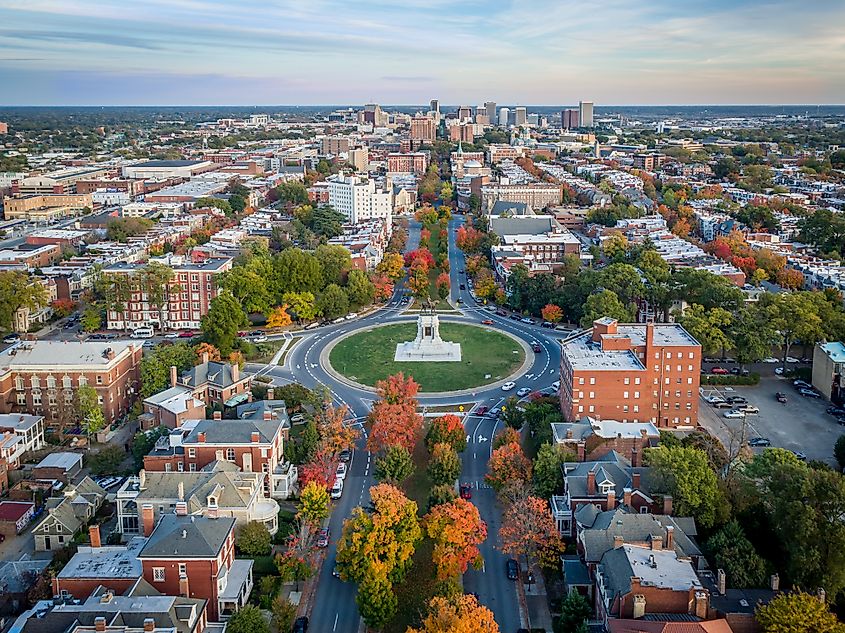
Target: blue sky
(151,52)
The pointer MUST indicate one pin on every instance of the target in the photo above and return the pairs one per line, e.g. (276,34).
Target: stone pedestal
(428,346)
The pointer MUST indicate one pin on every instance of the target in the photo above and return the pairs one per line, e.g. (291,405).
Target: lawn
(486,356)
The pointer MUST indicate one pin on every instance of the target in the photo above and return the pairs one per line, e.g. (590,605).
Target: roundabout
(489,356)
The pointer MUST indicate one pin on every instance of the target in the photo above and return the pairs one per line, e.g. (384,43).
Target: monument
(428,346)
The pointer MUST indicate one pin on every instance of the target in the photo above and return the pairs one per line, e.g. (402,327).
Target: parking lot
(800,425)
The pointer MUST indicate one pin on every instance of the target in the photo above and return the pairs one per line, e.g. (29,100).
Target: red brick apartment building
(188,298)
(641,372)
(411,163)
(38,377)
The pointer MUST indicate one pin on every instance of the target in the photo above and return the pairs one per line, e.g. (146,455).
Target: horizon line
(404,105)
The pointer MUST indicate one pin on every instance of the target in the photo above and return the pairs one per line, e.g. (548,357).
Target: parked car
(759,441)
(297,417)
(809,393)
(508,385)
(719,371)
(714,399)
(522,392)
(837,411)
(548,324)
(344,455)
(300,625)
(780,397)
(351,315)
(341,471)
(527,321)
(323,537)
(770,359)
(779,371)
(466,491)
(722,405)
(487,322)
(801,384)
(801,456)
(710,359)
(172,335)
(501,313)
(736,400)
(733,414)
(143,332)
(792,359)
(463,287)
(337,489)
(186,334)
(736,371)
(512,569)
(749,409)
(514,317)
(537,348)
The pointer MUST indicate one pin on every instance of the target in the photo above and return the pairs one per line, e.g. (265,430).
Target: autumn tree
(443,285)
(335,434)
(394,420)
(418,283)
(507,464)
(322,468)
(797,612)
(441,494)
(469,239)
(279,317)
(382,287)
(444,465)
(207,348)
(314,503)
(551,313)
(457,530)
(391,266)
(394,466)
(529,530)
(447,429)
(461,614)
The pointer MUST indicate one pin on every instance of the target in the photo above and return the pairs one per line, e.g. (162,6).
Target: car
(345,455)
(537,348)
(524,391)
(556,385)
(341,471)
(501,313)
(512,568)
(759,441)
(749,409)
(508,385)
(713,399)
(313,325)
(351,315)
(462,287)
(527,321)
(770,359)
(339,320)
(186,334)
(337,489)
(11,338)
(466,491)
(780,397)
(461,271)
(809,393)
(710,359)
(494,412)
(837,411)
(736,400)
(736,371)
(297,417)
(801,456)
(801,384)
(172,335)
(779,371)
(143,332)
(323,537)
(487,322)
(719,371)
(259,338)
(729,360)
(721,404)
(792,359)
(514,317)
(548,324)
(148,344)
(733,414)
(481,410)
(459,300)
(335,571)
(300,625)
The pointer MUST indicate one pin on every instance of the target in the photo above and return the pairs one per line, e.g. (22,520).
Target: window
(67,383)
(192,467)
(680,368)
(264,453)
(636,395)
(36,399)
(592,380)
(627,381)
(580,408)
(689,367)
(625,395)
(668,354)
(580,381)
(51,382)
(691,355)
(19,383)
(183,570)
(592,409)
(689,381)
(636,381)
(625,408)
(158,574)
(83,381)
(99,379)
(668,367)
(643,509)
(230,454)
(592,395)
(21,398)
(580,394)
(35,381)
(192,452)
(636,408)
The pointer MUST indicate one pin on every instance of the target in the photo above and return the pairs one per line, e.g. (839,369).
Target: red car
(186,334)
(487,322)
(719,371)
(481,410)
(466,492)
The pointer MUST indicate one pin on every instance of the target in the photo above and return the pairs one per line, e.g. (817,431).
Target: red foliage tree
(508,464)
(394,420)
(383,287)
(447,429)
(321,469)
(468,239)
(422,254)
(457,530)
(552,313)
(529,530)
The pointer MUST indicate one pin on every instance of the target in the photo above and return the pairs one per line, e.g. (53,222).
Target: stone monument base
(424,351)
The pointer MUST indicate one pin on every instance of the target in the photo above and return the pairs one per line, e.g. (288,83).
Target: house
(215,383)
(591,439)
(17,577)
(600,484)
(15,516)
(30,428)
(194,556)
(219,488)
(67,515)
(63,466)
(652,626)
(828,373)
(171,408)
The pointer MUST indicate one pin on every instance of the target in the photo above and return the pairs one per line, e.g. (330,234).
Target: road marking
(481,438)
(336,615)
(483,567)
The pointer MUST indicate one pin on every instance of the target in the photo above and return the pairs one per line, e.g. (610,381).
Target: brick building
(114,567)
(40,377)
(591,439)
(423,128)
(215,383)
(410,163)
(187,298)
(642,372)
(45,207)
(171,408)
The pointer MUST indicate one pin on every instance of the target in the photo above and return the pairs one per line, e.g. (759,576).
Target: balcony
(266,511)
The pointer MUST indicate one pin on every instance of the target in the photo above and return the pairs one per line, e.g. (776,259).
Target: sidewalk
(537,603)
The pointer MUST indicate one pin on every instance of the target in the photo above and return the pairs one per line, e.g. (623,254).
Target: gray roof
(17,576)
(187,537)
(168,163)
(575,572)
(522,225)
(65,461)
(107,562)
(504,206)
(236,431)
(231,488)
(59,354)
(213,372)
(612,468)
(656,568)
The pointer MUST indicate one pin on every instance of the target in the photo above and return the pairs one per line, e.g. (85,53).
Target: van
(143,332)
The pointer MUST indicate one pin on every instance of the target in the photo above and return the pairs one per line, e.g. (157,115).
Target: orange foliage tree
(335,435)
(447,429)
(507,464)
(207,348)
(529,530)
(383,287)
(394,420)
(279,317)
(552,313)
(507,435)
(462,614)
(443,284)
(321,469)
(468,239)
(790,278)
(457,530)
(418,282)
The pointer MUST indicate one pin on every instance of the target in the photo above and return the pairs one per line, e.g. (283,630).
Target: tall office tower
(569,118)
(423,128)
(504,115)
(490,106)
(585,113)
(519,116)
(465,113)
(434,105)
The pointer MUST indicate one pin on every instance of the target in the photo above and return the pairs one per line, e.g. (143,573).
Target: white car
(508,386)
(523,392)
(779,371)
(713,399)
(792,359)
(341,471)
(770,359)
(351,315)
(258,339)
(749,409)
(172,335)
(339,320)
(733,414)
(337,489)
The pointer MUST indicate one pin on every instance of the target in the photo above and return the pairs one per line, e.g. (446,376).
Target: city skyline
(193,52)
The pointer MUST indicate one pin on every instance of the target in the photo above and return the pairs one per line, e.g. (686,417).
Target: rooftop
(187,537)
(60,460)
(59,354)
(835,351)
(110,561)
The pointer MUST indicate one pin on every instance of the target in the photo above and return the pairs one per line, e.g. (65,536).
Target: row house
(40,377)
(216,383)
(67,515)
(186,299)
(590,439)
(412,162)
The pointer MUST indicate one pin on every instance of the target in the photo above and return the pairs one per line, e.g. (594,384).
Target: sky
(538,52)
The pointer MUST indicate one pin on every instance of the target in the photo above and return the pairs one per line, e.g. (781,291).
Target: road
(334,606)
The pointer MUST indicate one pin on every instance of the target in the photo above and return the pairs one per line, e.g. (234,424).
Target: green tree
(144,441)
(248,287)
(335,262)
(214,203)
(705,288)
(685,474)
(797,612)
(220,325)
(708,327)
(441,494)
(284,614)
(444,466)
(839,452)
(729,549)
(18,290)
(155,366)
(333,302)
(120,229)
(302,449)
(248,619)
(574,611)
(752,334)
(292,193)
(327,222)
(795,316)
(376,600)
(605,304)
(107,460)
(297,271)
(757,178)
(89,411)
(360,289)
(726,166)
(91,319)
(548,478)
(253,539)
(394,466)
(302,305)
(512,415)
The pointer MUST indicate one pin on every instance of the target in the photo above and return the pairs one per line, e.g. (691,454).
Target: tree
(839,451)
(360,289)
(529,530)
(214,203)
(376,599)
(120,229)
(333,302)
(757,178)
(382,287)
(91,320)
(605,304)
(301,450)
(795,316)
(548,478)
(335,262)
(314,504)
(418,283)
(441,494)
(730,550)
(297,271)
(752,334)
(457,530)
(248,619)
(89,412)
(303,305)
(144,441)
(797,612)
(461,614)
(63,307)
(446,429)
(551,313)
(615,247)
(507,435)
(155,367)
(278,317)
(574,611)
(394,420)
(327,222)
(107,460)
(708,327)
(512,416)
(335,434)
(442,284)
(507,464)
(685,474)
(321,468)
(291,193)
(206,350)
(444,465)
(391,266)
(394,466)
(253,539)
(220,325)
(284,614)
(249,287)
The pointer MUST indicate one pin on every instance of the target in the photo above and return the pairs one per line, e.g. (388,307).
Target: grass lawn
(264,352)
(290,346)
(367,357)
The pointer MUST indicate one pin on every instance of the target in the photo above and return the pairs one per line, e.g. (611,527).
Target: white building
(357,198)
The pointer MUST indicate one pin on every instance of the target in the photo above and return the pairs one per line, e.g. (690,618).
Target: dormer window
(212,502)
(606,488)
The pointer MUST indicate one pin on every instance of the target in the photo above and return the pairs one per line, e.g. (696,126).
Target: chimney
(618,541)
(184,589)
(582,452)
(639,606)
(670,537)
(635,458)
(99,623)
(204,358)
(721,581)
(148,518)
(591,483)
(611,499)
(635,481)
(201,437)
(255,437)
(649,338)
(110,354)
(774,582)
(236,372)
(181,508)
(268,415)
(174,376)
(667,505)
(626,497)
(94,536)
(271,393)
(217,415)
(149,625)
(249,396)
(106,597)
(181,491)
(211,513)
(701,604)
(142,478)
(656,542)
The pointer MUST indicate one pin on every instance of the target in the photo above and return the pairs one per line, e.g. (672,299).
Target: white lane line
(334,628)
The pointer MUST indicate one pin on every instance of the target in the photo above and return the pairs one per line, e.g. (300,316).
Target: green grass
(367,357)
(290,346)
(264,352)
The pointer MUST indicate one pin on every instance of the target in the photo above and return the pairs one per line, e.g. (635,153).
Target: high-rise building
(585,113)
(423,128)
(519,116)
(490,106)
(504,115)
(335,145)
(465,113)
(434,105)
(569,118)
(357,198)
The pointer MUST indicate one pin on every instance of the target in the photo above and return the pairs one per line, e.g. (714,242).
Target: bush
(107,461)
(253,539)
(730,379)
